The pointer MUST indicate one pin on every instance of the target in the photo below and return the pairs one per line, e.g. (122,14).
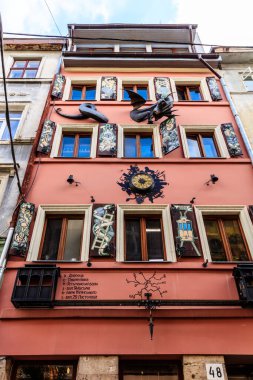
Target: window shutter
(185,230)
(169,133)
(231,140)
(162,87)
(57,90)
(108,88)
(44,145)
(103,236)
(213,88)
(107,140)
(22,229)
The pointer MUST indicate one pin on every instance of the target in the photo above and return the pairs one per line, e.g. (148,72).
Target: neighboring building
(138,225)
(30,66)
(237,70)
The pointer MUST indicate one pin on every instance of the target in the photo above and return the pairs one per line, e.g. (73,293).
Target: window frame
(240,211)
(138,136)
(196,129)
(186,89)
(19,363)
(136,129)
(247,74)
(23,109)
(77,137)
(134,88)
(81,81)
(59,209)
(199,137)
(190,81)
(25,68)
(74,129)
(136,210)
(131,81)
(83,90)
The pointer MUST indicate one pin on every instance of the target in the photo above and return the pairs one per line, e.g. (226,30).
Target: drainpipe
(233,108)
(5,252)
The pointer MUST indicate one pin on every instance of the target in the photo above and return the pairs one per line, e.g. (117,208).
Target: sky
(220,22)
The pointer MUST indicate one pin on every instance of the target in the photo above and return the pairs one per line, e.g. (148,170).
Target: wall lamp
(71,180)
(213,179)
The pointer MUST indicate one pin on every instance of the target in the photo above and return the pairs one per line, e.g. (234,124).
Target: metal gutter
(4,253)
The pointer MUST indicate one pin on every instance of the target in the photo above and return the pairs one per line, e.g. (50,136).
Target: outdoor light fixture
(192,200)
(92,199)
(71,180)
(213,179)
(205,263)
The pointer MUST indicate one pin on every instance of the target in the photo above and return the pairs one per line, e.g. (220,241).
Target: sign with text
(214,372)
(78,286)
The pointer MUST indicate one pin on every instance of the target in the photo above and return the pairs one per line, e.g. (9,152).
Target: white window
(61,232)
(144,86)
(139,142)
(247,77)
(17,114)
(190,89)
(80,88)
(3,183)
(150,231)
(203,141)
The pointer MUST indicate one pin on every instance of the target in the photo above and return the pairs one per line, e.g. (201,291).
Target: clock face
(142,182)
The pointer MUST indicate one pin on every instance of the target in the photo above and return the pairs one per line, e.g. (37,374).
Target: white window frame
(147,81)
(43,211)
(248,73)
(81,81)
(74,128)
(240,211)
(3,184)
(215,129)
(190,81)
(163,210)
(154,129)
(16,107)
(27,57)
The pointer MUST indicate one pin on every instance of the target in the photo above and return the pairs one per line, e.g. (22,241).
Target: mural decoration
(44,145)
(231,140)
(185,231)
(87,110)
(21,232)
(108,88)
(142,184)
(103,231)
(57,90)
(107,140)
(163,107)
(170,139)
(162,88)
(147,283)
(213,88)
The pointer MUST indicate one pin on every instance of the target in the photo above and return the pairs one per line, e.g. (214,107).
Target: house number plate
(214,372)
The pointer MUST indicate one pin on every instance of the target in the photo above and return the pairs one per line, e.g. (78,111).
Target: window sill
(231,262)
(58,261)
(73,158)
(207,158)
(148,262)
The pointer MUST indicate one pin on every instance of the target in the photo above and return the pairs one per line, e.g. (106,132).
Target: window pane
(133,240)
(181,94)
(193,146)
(76,93)
(19,64)
(68,145)
(195,93)
(235,239)
(130,146)
(248,83)
(33,64)
(90,93)
(209,147)
(146,146)
(15,115)
(125,94)
(52,239)
(73,239)
(30,74)
(143,91)
(154,239)
(215,241)
(14,127)
(16,74)
(44,372)
(84,146)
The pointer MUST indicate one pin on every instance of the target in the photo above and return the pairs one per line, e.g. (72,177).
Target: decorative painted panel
(107,140)
(185,231)
(103,230)
(231,140)
(44,145)
(213,88)
(22,229)
(169,133)
(57,90)
(162,87)
(108,88)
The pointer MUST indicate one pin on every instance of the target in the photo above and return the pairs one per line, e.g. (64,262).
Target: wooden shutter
(44,145)
(103,232)
(108,88)
(231,140)
(169,133)
(213,88)
(185,230)
(162,87)
(22,229)
(107,140)
(57,90)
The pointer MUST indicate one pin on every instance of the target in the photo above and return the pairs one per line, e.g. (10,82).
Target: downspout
(3,257)
(233,108)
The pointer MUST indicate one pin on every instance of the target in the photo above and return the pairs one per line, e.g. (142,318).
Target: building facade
(136,231)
